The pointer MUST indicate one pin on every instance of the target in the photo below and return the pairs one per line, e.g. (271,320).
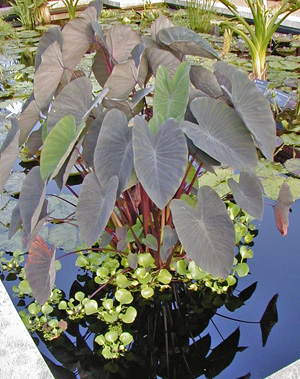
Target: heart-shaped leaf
(171,98)
(158,57)
(31,200)
(248,193)
(160,160)
(51,35)
(184,40)
(75,99)
(78,36)
(282,208)
(40,269)
(58,145)
(160,23)
(113,153)
(220,133)
(9,152)
(48,75)
(98,201)
(251,106)
(28,119)
(90,140)
(120,41)
(206,81)
(122,80)
(100,69)
(206,233)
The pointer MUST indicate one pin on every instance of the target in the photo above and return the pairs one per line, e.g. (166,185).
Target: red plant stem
(71,190)
(183,183)
(108,66)
(126,210)
(194,179)
(145,210)
(131,207)
(109,281)
(65,200)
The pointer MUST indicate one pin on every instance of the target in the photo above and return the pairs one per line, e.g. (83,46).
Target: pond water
(275,267)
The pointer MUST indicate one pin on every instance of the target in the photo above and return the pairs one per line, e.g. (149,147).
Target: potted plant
(138,147)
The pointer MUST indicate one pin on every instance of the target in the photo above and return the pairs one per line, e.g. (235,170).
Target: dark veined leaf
(269,319)
(158,57)
(206,233)
(9,152)
(75,99)
(205,81)
(113,153)
(58,145)
(51,35)
(248,193)
(94,207)
(15,222)
(251,106)
(28,119)
(90,139)
(35,141)
(222,355)
(122,80)
(160,23)
(282,208)
(64,172)
(160,160)
(40,269)
(78,36)
(171,98)
(120,41)
(220,133)
(136,54)
(48,75)
(31,200)
(184,40)
(100,69)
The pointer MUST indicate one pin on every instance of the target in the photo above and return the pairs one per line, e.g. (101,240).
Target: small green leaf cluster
(114,343)
(13,264)
(38,318)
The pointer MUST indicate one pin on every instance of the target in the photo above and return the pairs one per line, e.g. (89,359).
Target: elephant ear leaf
(269,319)
(220,133)
(248,193)
(184,40)
(98,201)
(171,98)
(160,160)
(251,105)
(113,153)
(9,152)
(58,145)
(282,208)
(48,75)
(40,269)
(206,232)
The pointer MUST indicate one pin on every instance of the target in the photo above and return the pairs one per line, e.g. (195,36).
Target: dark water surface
(275,266)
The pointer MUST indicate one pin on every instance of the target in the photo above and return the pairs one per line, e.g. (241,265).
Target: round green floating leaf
(126,338)
(124,296)
(147,292)
(145,260)
(129,316)
(34,309)
(122,281)
(108,304)
(24,287)
(46,309)
(100,339)
(79,296)
(90,307)
(62,305)
(242,269)
(53,323)
(111,336)
(164,276)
